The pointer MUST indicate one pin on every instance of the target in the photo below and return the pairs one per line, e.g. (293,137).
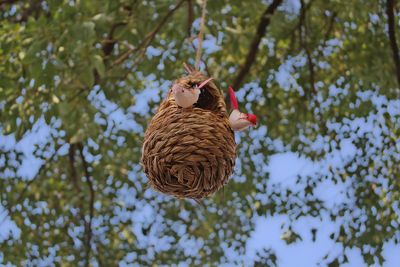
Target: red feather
(234,102)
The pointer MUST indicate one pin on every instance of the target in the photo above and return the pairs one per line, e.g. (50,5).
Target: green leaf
(87,77)
(98,64)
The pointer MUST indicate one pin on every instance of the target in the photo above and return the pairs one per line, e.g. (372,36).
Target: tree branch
(392,37)
(28,184)
(108,44)
(302,34)
(149,37)
(25,13)
(330,26)
(74,176)
(88,225)
(6,2)
(19,198)
(253,50)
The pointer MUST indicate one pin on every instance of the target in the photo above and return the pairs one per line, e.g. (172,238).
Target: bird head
(199,83)
(192,83)
(195,78)
(190,90)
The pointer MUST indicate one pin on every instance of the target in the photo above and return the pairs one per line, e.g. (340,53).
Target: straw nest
(190,152)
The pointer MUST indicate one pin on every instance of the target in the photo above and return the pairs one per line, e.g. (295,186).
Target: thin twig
(33,8)
(149,37)
(5,2)
(19,198)
(189,18)
(201,34)
(253,50)
(80,91)
(327,33)
(74,176)
(30,182)
(330,26)
(207,69)
(109,42)
(303,31)
(295,29)
(392,37)
(88,225)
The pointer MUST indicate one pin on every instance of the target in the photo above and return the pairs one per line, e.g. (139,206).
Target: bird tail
(189,69)
(234,102)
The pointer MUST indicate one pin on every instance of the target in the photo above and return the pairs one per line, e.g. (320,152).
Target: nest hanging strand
(201,35)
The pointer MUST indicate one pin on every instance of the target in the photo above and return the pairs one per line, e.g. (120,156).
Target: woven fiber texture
(190,152)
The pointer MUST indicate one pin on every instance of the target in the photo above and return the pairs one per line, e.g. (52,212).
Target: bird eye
(192,84)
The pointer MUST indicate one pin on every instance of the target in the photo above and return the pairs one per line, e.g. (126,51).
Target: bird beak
(252,118)
(205,82)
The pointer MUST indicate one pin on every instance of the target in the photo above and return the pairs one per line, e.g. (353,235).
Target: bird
(239,121)
(186,95)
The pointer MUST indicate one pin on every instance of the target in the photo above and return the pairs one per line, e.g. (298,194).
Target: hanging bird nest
(190,152)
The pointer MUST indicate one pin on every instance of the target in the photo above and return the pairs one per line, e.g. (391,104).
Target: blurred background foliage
(86,77)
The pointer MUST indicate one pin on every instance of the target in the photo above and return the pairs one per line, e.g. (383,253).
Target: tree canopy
(80,80)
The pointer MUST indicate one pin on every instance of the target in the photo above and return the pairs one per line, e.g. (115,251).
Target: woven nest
(190,152)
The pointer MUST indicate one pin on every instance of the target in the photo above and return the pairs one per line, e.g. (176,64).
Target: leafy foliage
(79,81)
